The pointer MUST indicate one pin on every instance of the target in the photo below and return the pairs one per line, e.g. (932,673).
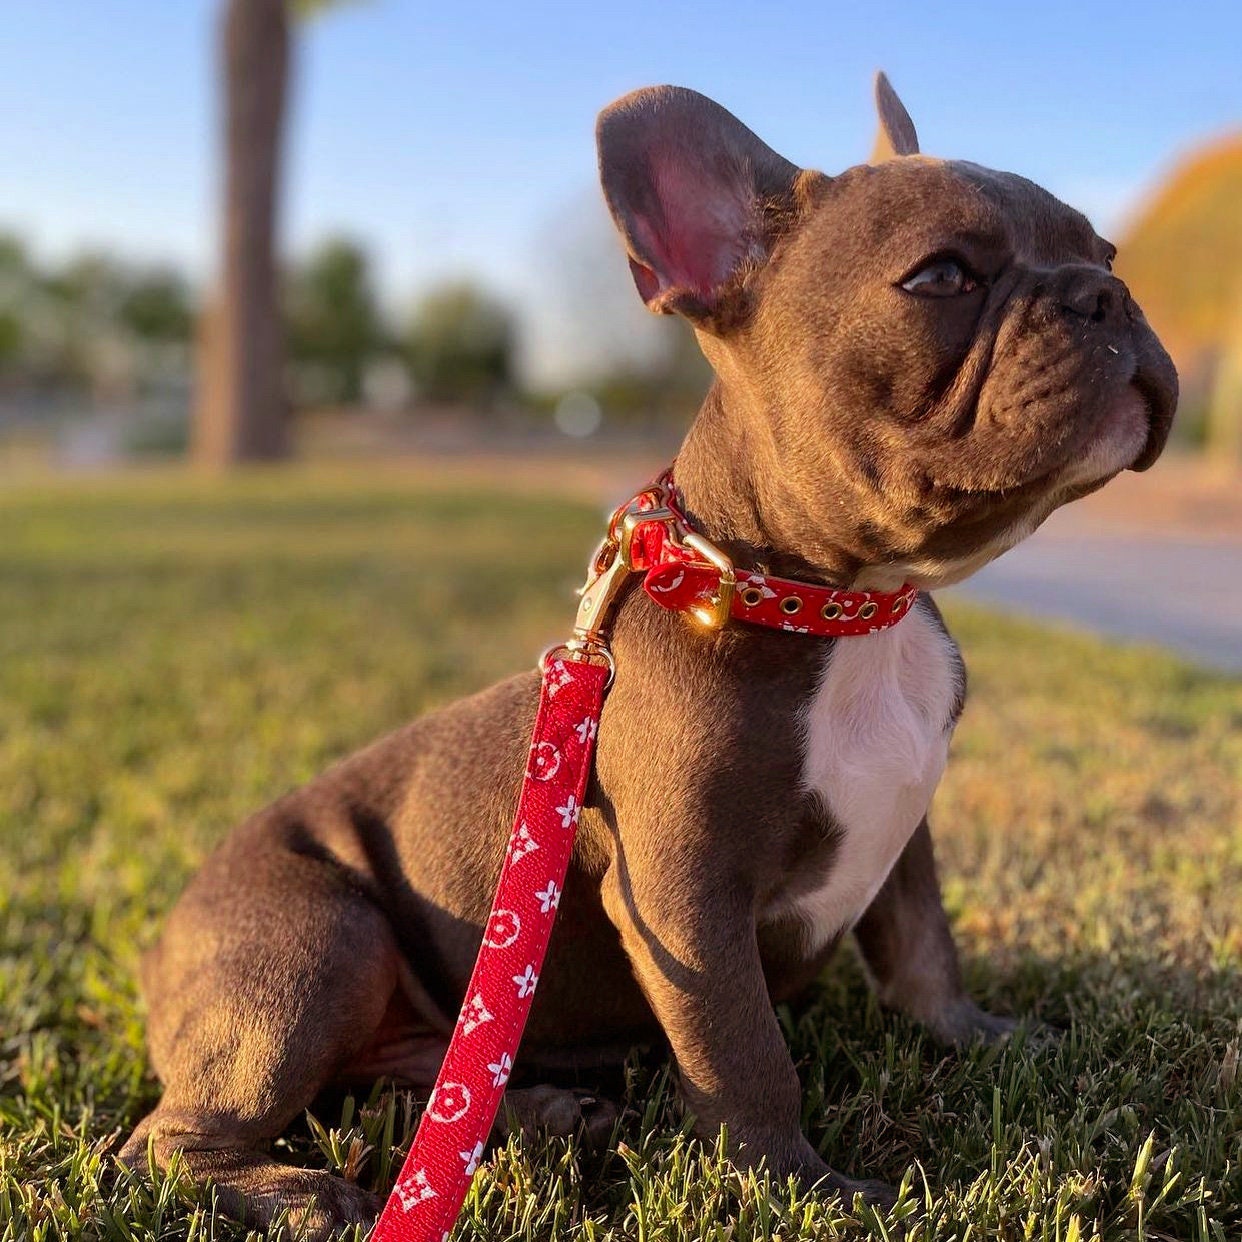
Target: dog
(916,361)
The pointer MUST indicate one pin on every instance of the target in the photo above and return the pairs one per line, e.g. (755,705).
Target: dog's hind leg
(274,972)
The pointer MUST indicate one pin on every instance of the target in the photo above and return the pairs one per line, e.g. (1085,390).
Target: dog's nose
(1092,294)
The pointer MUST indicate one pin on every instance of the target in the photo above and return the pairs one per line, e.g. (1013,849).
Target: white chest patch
(877,736)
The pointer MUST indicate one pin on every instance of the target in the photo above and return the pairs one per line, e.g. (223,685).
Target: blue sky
(458,138)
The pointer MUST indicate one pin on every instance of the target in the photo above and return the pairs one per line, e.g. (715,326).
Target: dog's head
(938,354)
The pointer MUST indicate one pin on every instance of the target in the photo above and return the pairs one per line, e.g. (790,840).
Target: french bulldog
(916,361)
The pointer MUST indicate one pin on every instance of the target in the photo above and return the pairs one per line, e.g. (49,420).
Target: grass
(173,654)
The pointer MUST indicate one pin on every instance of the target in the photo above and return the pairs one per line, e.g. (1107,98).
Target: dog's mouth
(1161,403)
(1128,433)
(1121,437)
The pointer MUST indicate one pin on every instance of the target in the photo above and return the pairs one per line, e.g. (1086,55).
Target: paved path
(1181,590)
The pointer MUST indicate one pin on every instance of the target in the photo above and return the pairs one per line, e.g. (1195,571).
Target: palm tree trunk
(241,409)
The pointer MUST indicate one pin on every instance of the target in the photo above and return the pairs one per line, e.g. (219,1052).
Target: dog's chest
(876,735)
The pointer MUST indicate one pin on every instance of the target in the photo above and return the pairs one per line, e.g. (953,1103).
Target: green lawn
(175,653)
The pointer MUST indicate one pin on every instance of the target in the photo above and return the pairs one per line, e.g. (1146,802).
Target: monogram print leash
(682,571)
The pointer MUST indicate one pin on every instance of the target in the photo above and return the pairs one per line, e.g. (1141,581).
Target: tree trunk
(1224,413)
(240,410)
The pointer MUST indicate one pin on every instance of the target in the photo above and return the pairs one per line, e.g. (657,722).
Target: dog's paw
(335,1210)
(964,1023)
(814,1177)
(532,1111)
(877,1194)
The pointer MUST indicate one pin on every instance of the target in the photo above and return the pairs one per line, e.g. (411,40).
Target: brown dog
(916,362)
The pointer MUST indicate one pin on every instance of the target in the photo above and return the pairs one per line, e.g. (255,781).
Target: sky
(457,140)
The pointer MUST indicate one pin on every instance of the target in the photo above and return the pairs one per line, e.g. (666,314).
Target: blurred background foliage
(1182,258)
(102,358)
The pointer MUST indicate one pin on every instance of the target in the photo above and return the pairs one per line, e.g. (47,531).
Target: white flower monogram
(471,1158)
(474,1014)
(569,812)
(672,586)
(586,729)
(449,1102)
(526,982)
(545,761)
(522,843)
(413,1190)
(501,1070)
(557,677)
(549,898)
(503,928)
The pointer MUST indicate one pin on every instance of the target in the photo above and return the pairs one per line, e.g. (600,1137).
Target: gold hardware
(583,651)
(830,612)
(613,562)
(611,567)
(868,610)
(625,520)
(715,614)
(791,604)
(899,603)
(752,596)
(608,575)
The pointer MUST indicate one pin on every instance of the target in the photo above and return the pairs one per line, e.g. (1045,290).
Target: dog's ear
(896,135)
(697,197)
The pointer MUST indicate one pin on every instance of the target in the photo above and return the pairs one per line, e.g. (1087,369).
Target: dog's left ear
(896,135)
(696,196)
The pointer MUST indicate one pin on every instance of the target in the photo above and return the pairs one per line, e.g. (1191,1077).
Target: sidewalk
(1155,557)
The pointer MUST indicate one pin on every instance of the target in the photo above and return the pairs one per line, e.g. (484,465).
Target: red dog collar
(683,572)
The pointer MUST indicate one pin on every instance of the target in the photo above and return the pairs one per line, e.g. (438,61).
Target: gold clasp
(716,613)
(613,563)
(608,574)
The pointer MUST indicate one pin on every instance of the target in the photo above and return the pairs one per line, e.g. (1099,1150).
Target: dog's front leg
(690,935)
(908,948)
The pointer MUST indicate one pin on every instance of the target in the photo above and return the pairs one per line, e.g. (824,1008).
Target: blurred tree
(241,412)
(460,346)
(661,392)
(645,370)
(1182,258)
(157,306)
(91,283)
(1224,413)
(15,276)
(333,321)
(93,324)
(75,333)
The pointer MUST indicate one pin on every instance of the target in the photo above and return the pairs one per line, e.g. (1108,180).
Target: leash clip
(608,574)
(611,566)
(614,561)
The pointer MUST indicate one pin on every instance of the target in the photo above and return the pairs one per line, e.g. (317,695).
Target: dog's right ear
(695,195)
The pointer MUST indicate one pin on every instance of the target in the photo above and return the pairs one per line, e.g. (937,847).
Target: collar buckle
(714,613)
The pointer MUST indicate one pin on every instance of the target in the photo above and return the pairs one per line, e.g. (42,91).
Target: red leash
(682,571)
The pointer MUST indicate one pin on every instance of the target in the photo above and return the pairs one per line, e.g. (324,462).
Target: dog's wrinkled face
(972,362)
(940,353)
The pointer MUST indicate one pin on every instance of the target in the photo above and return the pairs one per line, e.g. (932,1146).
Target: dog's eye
(941,278)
